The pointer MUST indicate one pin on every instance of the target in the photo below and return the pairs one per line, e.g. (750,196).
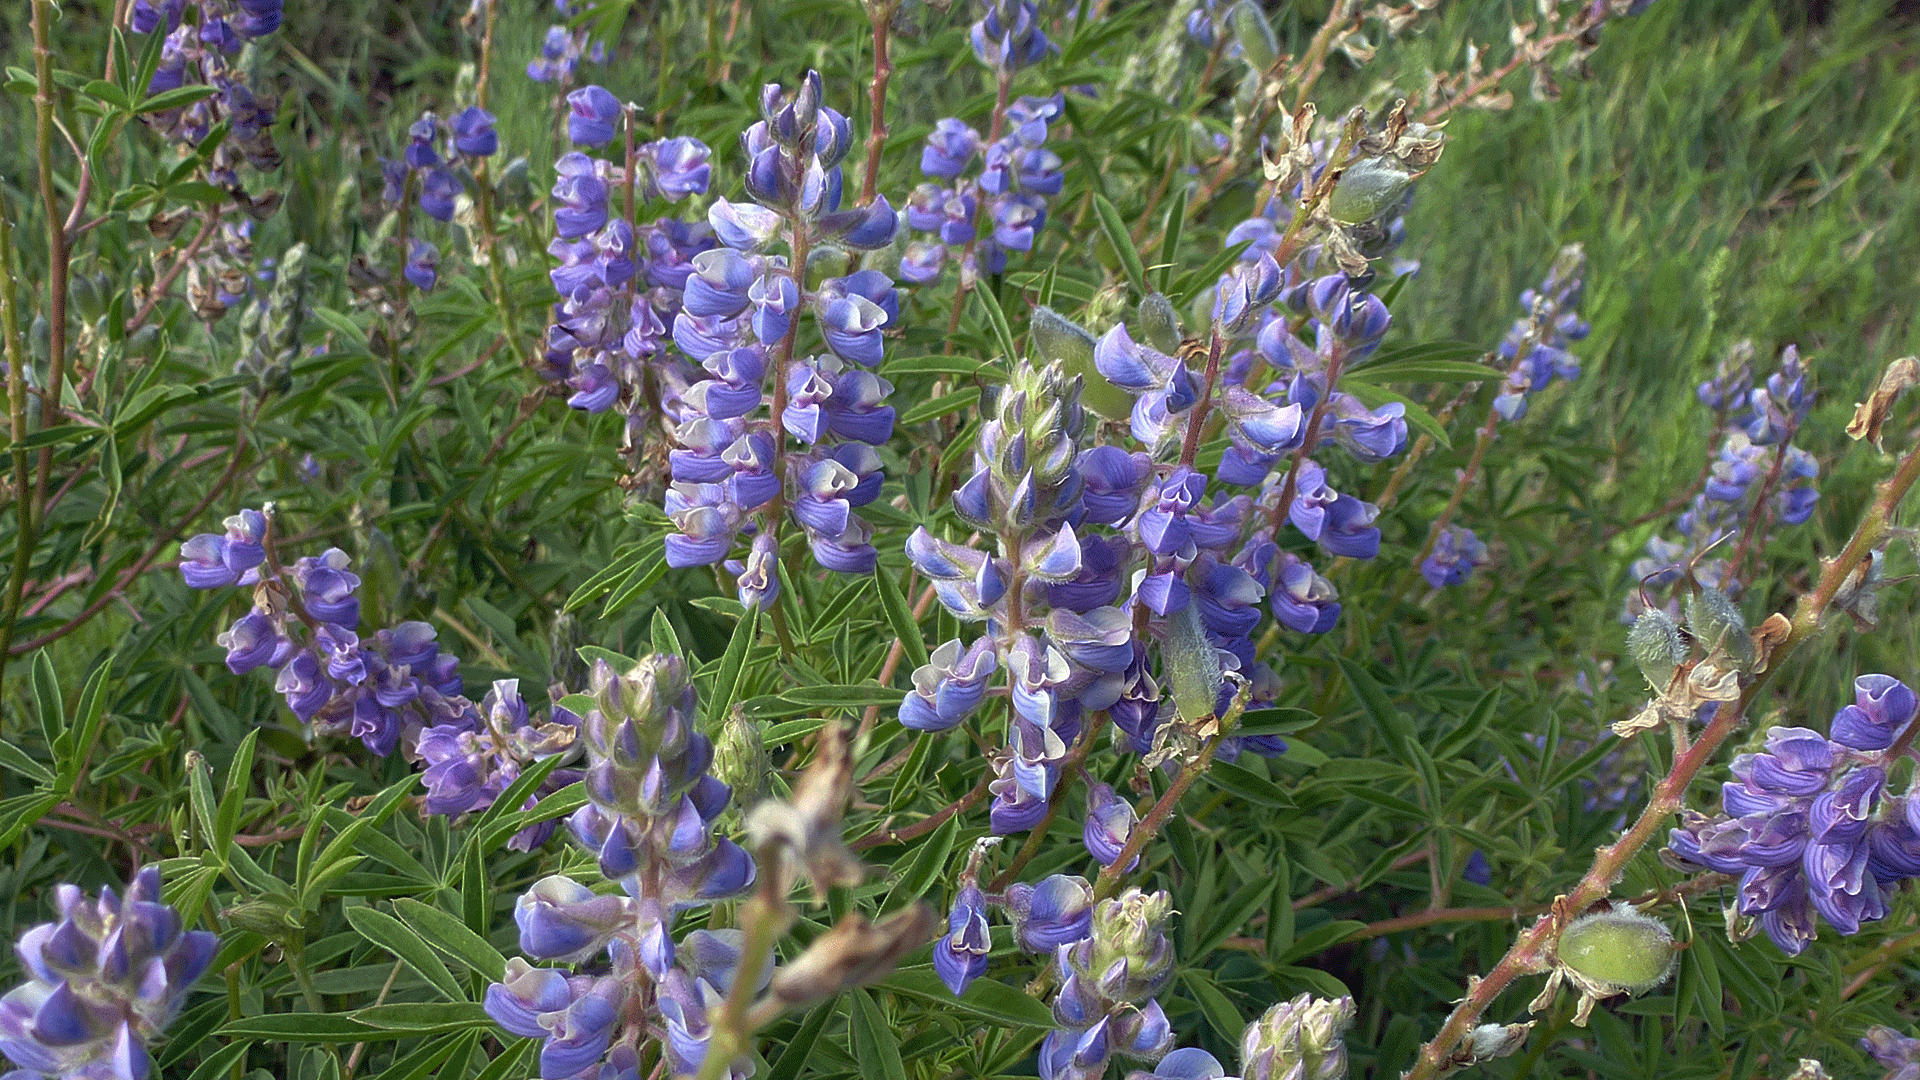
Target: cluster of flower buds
(1106,1004)
(470,761)
(561,53)
(1457,553)
(1008,36)
(383,689)
(1756,461)
(1809,824)
(1017,177)
(1295,1040)
(651,803)
(205,52)
(101,982)
(1549,327)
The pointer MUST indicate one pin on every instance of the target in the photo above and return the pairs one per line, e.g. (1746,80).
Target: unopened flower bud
(1160,323)
(1255,35)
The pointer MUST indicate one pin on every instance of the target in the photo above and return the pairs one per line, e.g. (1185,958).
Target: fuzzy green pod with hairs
(1717,624)
(1656,646)
(1056,338)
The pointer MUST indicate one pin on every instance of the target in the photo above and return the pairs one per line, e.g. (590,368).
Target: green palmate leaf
(424,1061)
(200,798)
(997,319)
(306,1027)
(726,682)
(1319,939)
(1236,779)
(987,999)
(1417,415)
(423,1017)
(926,865)
(900,617)
(178,98)
(965,367)
(793,1060)
(397,938)
(951,402)
(16,759)
(1214,1005)
(843,696)
(218,1063)
(47,700)
(1122,241)
(1218,922)
(1421,371)
(449,935)
(875,1045)
(1438,351)
(1276,721)
(226,820)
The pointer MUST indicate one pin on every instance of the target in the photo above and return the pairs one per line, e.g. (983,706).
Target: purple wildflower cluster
(1111,957)
(563,49)
(471,760)
(1008,36)
(435,180)
(107,977)
(204,51)
(1809,824)
(1018,174)
(1457,553)
(733,473)
(384,689)
(1550,326)
(648,822)
(1756,461)
(1299,1039)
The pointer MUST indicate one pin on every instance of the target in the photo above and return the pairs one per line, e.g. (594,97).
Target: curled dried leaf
(1871,414)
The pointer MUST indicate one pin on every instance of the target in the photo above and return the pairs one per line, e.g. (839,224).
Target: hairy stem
(881,15)
(1528,954)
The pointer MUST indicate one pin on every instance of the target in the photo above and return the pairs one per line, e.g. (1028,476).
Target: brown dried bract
(1869,415)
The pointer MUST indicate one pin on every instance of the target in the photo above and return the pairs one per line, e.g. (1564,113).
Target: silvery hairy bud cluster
(1109,979)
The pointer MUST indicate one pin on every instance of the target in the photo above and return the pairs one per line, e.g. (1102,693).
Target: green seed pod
(1368,189)
(1617,952)
(740,760)
(1655,645)
(85,296)
(40,340)
(1193,665)
(1255,34)
(1716,623)
(143,342)
(515,187)
(1056,338)
(1160,323)
(272,918)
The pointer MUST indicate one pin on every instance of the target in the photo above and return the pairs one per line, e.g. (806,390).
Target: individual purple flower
(1008,37)
(582,196)
(949,686)
(473,133)
(437,194)
(591,114)
(680,167)
(1110,821)
(949,147)
(423,264)
(1302,600)
(961,956)
(1058,911)
(420,138)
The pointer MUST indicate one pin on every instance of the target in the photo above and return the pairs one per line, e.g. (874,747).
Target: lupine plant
(1073,467)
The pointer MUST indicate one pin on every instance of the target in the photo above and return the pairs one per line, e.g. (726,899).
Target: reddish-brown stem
(180,262)
(1528,954)
(1155,819)
(1288,486)
(1316,58)
(927,824)
(1751,528)
(1197,419)
(1036,837)
(1494,79)
(160,544)
(882,16)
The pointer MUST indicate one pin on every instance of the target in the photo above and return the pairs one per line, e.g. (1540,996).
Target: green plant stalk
(296,954)
(17,415)
(1528,954)
(58,259)
(765,915)
(1149,826)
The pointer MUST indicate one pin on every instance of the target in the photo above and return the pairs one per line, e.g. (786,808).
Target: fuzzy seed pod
(1617,952)
(1055,338)
(1655,645)
(1368,189)
(1716,623)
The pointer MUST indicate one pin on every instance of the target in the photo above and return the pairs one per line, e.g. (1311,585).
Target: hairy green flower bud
(1368,189)
(1655,645)
(1716,623)
(1160,323)
(1055,338)
(1298,1038)
(1617,952)
(740,760)
(1194,674)
(1255,35)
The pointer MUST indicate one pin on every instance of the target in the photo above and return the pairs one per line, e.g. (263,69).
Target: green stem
(17,414)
